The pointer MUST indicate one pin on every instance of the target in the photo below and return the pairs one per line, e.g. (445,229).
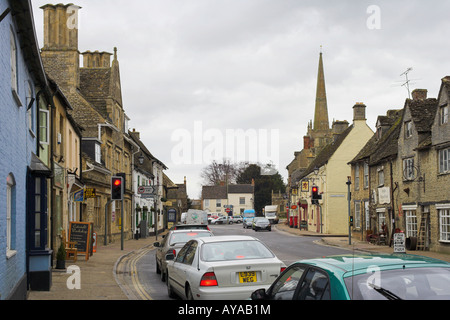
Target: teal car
(362,277)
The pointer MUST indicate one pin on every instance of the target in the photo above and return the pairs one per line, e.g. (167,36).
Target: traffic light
(315,193)
(116,188)
(315,196)
(351,221)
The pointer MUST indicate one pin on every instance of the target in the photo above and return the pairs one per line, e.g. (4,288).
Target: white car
(221,268)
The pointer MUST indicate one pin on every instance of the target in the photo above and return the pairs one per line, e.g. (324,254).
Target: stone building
(329,171)
(94,92)
(408,174)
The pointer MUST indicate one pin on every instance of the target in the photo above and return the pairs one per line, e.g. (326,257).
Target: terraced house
(408,175)
(94,93)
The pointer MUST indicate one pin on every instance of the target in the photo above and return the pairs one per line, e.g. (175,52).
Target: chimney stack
(420,94)
(359,111)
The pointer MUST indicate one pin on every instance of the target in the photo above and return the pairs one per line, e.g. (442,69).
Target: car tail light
(208,280)
(282,269)
(174,252)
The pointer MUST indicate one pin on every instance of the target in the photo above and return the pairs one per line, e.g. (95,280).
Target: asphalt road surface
(143,283)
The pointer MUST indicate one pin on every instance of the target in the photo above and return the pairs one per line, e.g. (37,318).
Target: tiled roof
(214,192)
(220,192)
(423,113)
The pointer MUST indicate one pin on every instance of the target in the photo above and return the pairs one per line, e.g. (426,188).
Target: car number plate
(247,277)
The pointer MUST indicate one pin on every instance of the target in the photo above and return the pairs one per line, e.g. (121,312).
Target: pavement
(99,276)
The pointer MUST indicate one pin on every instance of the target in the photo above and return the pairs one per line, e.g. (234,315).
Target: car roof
(362,262)
(187,230)
(227,238)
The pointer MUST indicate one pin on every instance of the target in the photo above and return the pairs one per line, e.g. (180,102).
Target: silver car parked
(221,268)
(172,243)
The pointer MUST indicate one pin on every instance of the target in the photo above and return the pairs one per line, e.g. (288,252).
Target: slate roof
(240,188)
(423,113)
(327,152)
(220,192)
(377,150)
(214,192)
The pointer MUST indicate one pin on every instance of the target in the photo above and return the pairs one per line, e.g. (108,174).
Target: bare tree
(226,171)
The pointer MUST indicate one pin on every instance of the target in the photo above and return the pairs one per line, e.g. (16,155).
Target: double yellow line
(131,266)
(135,277)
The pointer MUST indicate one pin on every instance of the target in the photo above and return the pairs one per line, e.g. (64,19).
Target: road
(140,281)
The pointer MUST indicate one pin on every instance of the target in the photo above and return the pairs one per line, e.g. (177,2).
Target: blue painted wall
(17,143)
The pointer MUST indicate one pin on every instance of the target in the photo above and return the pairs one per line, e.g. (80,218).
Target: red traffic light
(117,182)
(315,189)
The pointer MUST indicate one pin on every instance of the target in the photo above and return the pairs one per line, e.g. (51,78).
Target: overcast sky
(202,67)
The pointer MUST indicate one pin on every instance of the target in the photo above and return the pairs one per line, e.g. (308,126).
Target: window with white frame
(380,176)
(218,203)
(408,129)
(98,153)
(241,200)
(444,160)
(13,61)
(381,220)
(411,223)
(408,169)
(357,176)
(206,203)
(357,219)
(366,175)
(444,223)
(443,115)
(44,127)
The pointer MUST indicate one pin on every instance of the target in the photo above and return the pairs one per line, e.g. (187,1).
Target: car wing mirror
(259,294)
(170,256)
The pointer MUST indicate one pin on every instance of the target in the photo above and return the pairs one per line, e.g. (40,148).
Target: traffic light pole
(121,225)
(349,182)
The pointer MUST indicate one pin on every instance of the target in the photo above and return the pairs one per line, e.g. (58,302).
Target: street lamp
(141,159)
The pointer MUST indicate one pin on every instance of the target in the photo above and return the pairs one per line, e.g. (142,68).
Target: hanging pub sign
(78,196)
(305,186)
(89,193)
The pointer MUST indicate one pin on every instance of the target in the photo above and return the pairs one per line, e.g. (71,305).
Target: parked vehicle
(221,220)
(261,223)
(211,217)
(196,217)
(190,226)
(172,243)
(248,217)
(271,213)
(237,219)
(221,268)
(362,277)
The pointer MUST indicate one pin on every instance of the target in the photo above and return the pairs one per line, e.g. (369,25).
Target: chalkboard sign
(80,233)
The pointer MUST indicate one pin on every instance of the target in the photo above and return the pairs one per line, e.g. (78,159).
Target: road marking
(135,276)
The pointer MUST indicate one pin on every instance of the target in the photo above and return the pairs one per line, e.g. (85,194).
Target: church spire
(321,121)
